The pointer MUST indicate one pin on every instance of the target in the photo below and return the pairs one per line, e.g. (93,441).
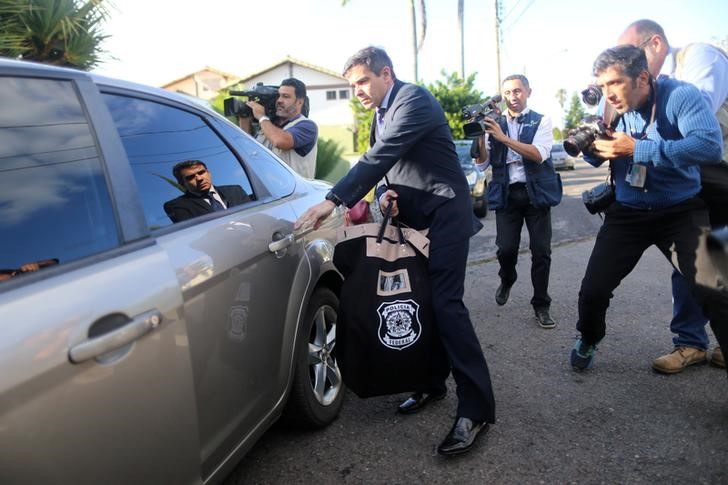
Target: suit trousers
(508,222)
(460,344)
(624,236)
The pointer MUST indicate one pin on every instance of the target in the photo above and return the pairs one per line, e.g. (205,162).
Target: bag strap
(383,227)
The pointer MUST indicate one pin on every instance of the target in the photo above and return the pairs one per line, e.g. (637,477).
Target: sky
(552,42)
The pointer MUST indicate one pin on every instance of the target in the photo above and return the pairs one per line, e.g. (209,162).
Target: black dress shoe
(543,318)
(417,401)
(501,294)
(461,437)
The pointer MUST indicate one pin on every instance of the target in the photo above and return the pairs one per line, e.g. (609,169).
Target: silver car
(135,349)
(561,159)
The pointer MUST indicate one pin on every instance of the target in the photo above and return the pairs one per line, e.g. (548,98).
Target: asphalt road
(619,423)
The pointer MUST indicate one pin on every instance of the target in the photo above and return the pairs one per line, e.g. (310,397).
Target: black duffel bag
(385,331)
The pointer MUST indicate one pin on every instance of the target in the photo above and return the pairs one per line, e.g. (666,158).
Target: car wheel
(317,393)
(481,211)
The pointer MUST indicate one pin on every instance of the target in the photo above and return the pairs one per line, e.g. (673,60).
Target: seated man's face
(196,179)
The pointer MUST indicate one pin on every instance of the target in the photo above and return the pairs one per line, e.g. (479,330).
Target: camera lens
(591,95)
(580,140)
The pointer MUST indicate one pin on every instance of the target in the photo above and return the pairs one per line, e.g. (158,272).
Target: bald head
(649,36)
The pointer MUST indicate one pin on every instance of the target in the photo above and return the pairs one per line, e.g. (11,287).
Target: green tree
(362,124)
(328,158)
(575,113)
(60,32)
(453,93)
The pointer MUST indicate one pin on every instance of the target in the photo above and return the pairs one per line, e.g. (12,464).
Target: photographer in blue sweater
(665,132)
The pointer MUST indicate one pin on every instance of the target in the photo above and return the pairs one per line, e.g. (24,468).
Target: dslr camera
(476,113)
(581,137)
(265,95)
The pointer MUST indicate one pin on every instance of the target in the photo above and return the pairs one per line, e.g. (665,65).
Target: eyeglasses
(645,42)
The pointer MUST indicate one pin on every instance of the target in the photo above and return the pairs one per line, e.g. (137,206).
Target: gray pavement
(619,423)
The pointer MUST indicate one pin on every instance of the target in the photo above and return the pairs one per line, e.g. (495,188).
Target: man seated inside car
(6,274)
(200,197)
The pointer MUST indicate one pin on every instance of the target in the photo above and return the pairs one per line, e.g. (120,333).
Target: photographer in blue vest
(525,186)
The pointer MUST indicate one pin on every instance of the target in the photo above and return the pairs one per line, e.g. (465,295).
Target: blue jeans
(688,321)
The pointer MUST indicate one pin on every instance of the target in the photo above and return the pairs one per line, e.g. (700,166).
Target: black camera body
(591,128)
(262,94)
(476,113)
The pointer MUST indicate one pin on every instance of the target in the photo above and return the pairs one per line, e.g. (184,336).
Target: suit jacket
(190,205)
(416,152)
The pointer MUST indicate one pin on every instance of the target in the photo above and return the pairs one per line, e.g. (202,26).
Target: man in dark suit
(411,144)
(200,196)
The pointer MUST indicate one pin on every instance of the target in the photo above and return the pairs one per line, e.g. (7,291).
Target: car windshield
(463,149)
(557,147)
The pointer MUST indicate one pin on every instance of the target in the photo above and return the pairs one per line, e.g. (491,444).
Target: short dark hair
(630,59)
(373,58)
(297,85)
(517,77)
(177,169)
(646,28)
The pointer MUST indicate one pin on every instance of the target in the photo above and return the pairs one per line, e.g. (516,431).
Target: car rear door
(96,380)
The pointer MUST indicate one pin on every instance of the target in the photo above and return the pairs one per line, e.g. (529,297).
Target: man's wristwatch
(262,119)
(333,198)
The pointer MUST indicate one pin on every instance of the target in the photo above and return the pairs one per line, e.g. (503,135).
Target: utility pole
(461,32)
(415,66)
(497,44)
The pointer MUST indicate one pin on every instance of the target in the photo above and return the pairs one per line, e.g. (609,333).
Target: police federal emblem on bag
(399,323)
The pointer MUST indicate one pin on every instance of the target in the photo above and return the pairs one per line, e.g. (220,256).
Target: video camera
(262,94)
(476,113)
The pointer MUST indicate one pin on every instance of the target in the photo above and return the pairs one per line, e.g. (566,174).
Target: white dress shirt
(542,141)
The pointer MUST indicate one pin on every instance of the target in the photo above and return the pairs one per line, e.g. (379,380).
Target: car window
(277,179)
(54,202)
(557,147)
(157,137)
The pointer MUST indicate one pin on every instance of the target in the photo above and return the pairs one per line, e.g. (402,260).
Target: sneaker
(677,360)
(582,355)
(717,359)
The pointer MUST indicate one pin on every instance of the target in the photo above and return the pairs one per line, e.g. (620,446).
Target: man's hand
(258,109)
(315,215)
(620,145)
(389,197)
(493,129)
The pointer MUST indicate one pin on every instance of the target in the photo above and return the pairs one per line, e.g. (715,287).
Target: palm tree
(417,41)
(60,32)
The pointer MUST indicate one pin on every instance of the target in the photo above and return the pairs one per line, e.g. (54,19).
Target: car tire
(317,393)
(482,211)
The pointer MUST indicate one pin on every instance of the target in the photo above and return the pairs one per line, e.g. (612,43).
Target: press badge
(636,175)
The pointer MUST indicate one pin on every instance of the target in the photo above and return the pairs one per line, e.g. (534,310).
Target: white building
(328,92)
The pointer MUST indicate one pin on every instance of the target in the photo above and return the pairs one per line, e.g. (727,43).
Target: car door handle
(135,329)
(282,241)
